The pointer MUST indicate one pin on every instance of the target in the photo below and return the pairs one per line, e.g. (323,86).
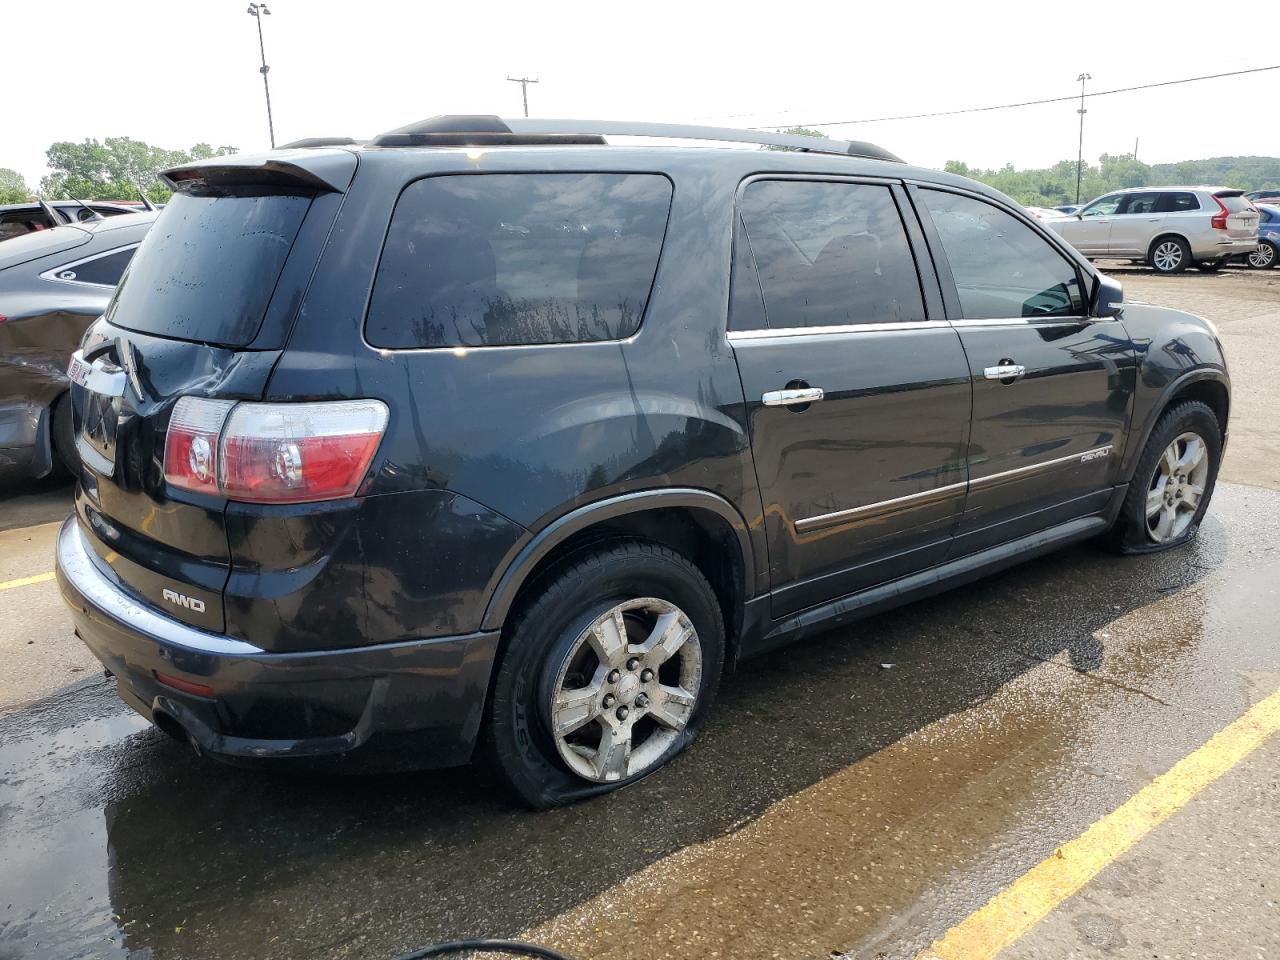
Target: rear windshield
(505,259)
(1235,203)
(207,269)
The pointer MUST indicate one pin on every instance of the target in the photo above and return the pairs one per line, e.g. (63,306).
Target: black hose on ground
(484,946)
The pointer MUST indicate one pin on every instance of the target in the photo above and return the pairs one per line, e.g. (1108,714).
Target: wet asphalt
(855,794)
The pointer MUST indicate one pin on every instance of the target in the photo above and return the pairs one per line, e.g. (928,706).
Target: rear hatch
(203,311)
(1242,215)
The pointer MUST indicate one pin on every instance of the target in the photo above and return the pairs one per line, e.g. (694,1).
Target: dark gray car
(53,284)
(491,434)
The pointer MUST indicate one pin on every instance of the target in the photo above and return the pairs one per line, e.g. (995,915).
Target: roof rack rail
(680,131)
(473,131)
(319,142)
(487,130)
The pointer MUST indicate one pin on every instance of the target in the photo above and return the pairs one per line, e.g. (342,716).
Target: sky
(180,72)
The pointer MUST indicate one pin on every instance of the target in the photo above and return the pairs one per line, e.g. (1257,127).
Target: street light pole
(258,11)
(1080,149)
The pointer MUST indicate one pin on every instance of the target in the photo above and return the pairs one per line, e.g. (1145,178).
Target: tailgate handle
(106,380)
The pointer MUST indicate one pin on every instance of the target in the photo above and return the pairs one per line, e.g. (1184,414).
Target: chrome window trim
(52,273)
(771,333)
(995,479)
(897,504)
(1048,321)
(881,508)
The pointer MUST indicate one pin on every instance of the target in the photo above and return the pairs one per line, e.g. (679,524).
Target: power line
(1026,103)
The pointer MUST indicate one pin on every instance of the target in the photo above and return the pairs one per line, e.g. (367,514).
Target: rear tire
(1173,482)
(1169,255)
(1264,258)
(575,712)
(64,437)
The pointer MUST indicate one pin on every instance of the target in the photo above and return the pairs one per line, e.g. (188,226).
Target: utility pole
(1135,149)
(524,89)
(1080,150)
(258,11)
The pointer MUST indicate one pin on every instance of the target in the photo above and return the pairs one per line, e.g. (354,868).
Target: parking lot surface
(864,794)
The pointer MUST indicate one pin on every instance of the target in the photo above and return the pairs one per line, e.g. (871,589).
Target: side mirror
(1108,298)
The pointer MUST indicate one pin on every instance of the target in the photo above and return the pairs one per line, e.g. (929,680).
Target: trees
(13,189)
(115,168)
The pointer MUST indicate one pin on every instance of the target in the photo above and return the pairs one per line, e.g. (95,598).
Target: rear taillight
(1219,221)
(273,452)
(191,445)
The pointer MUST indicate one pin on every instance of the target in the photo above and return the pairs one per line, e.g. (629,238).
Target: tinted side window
(504,259)
(830,254)
(1177,203)
(1136,203)
(105,270)
(1103,206)
(1002,268)
(746,304)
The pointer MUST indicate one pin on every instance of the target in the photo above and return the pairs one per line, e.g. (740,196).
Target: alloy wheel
(1263,257)
(1167,256)
(1176,487)
(626,690)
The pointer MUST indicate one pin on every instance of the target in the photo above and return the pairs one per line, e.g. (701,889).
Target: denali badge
(1095,454)
(182,600)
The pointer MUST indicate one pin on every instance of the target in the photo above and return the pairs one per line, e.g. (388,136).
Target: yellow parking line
(1014,911)
(25,581)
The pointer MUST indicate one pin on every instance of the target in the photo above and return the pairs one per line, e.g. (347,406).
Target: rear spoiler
(326,170)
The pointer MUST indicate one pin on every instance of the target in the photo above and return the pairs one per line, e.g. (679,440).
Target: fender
(1134,450)
(516,570)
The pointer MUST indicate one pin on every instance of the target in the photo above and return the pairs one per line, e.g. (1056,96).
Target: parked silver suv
(1171,228)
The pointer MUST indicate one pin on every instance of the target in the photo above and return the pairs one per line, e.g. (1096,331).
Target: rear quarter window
(509,259)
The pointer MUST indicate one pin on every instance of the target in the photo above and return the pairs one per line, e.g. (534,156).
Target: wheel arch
(1206,385)
(1166,235)
(702,526)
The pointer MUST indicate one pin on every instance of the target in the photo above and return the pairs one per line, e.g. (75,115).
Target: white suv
(1170,228)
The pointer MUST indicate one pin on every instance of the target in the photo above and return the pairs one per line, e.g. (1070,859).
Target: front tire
(1264,258)
(608,671)
(1173,482)
(1169,255)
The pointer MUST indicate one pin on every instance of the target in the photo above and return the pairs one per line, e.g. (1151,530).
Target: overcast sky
(180,72)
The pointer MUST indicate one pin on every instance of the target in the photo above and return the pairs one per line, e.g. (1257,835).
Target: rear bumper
(1224,248)
(407,705)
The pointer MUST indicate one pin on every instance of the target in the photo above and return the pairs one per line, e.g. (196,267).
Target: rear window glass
(505,259)
(207,269)
(1177,202)
(1236,204)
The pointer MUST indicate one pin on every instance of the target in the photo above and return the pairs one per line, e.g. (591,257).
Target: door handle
(1004,371)
(785,398)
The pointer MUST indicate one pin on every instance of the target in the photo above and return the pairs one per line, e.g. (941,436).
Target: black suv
(491,434)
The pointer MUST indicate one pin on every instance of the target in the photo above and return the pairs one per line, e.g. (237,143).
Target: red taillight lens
(272,452)
(191,445)
(1219,222)
(297,452)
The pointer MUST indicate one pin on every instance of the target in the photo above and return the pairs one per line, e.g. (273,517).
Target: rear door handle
(1004,371)
(785,398)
